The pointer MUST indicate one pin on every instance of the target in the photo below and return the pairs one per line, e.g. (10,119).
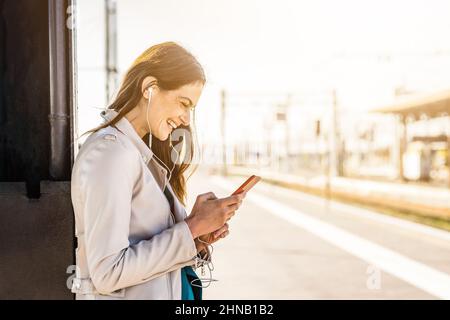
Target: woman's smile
(172,124)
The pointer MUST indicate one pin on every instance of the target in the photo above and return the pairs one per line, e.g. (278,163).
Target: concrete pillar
(448,154)
(402,146)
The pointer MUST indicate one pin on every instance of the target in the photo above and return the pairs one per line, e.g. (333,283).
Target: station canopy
(430,105)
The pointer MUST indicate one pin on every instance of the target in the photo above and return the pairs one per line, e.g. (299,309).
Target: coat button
(110,137)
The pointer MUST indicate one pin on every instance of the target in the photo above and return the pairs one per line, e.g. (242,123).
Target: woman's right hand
(210,213)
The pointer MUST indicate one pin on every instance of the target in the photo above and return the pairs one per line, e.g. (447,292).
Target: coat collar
(146,153)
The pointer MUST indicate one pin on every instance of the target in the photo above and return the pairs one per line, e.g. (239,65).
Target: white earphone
(150,91)
(208,262)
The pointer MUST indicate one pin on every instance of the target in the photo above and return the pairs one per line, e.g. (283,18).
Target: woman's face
(170,109)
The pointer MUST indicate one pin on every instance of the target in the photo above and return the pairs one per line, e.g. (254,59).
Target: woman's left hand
(212,237)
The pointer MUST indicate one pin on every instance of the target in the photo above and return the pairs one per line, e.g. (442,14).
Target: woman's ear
(149,82)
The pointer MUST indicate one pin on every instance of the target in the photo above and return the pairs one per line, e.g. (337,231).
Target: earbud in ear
(149,92)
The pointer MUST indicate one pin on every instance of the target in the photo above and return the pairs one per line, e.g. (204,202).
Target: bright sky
(289,44)
(363,49)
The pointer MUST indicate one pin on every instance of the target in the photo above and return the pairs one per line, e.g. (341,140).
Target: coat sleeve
(107,180)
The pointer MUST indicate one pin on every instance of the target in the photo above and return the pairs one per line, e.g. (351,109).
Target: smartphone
(247,185)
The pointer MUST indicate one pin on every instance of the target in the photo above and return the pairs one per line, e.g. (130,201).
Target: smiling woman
(135,238)
(176,79)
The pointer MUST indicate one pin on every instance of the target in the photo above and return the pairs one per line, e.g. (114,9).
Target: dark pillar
(24,127)
(36,217)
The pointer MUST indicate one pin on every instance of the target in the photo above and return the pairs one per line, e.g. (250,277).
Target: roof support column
(448,153)
(402,146)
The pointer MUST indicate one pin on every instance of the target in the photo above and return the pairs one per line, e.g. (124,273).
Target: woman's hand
(210,214)
(215,236)
(202,242)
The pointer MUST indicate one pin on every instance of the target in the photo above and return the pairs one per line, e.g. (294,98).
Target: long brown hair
(173,67)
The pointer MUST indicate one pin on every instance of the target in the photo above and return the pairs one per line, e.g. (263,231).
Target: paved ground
(288,245)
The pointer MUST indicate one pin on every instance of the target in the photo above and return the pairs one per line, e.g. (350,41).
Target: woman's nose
(186,118)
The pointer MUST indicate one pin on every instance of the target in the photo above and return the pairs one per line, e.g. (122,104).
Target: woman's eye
(186,106)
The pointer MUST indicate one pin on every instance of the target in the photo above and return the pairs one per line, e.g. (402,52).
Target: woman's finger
(230,215)
(221,230)
(232,208)
(231,200)
(226,233)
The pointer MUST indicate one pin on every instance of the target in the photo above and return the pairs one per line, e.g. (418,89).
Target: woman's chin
(163,136)
(163,133)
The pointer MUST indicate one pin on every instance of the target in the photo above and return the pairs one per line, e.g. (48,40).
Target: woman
(135,240)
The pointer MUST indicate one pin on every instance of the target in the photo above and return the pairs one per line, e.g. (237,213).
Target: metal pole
(286,126)
(328,169)
(110,47)
(59,116)
(335,139)
(73,80)
(403,143)
(223,132)
(448,151)
(332,138)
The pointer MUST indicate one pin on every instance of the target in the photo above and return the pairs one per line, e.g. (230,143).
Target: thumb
(206,196)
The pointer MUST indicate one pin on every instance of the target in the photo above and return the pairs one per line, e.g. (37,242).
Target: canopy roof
(432,105)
